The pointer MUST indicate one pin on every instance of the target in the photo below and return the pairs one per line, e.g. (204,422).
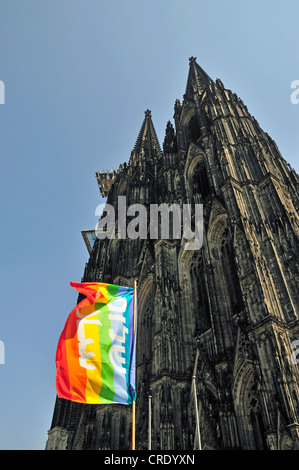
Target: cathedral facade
(217,326)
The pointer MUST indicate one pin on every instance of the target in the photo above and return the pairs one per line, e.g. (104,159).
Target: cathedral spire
(147,141)
(198,79)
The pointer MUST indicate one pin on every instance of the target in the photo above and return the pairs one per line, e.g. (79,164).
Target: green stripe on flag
(107,390)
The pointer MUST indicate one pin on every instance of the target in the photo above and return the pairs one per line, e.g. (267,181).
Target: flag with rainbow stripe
(95,358)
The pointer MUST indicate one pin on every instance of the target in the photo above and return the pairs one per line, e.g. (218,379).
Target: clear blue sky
(78,76)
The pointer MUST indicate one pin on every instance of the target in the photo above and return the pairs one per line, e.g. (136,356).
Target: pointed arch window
(200,298)
(193,128)
(230,274)
(256,420)
(200,182)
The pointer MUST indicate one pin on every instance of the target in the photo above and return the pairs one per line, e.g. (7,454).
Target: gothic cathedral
(217,326)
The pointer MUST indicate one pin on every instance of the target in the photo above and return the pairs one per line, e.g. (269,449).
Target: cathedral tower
(223,317)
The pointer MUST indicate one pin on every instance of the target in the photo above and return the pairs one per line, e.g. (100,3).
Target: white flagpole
(195,401)
(149,422)
(133,403)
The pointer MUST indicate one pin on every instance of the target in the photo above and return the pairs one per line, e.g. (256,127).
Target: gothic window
(193,129)
(146,326)
(145,314)
(253,165)
(200,182)
(230,274)
(257,424)
(256,420)
(200,298)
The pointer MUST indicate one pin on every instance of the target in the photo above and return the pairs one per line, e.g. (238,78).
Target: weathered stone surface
(233,304)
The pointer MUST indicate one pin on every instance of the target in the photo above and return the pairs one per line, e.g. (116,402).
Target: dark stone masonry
(227,313)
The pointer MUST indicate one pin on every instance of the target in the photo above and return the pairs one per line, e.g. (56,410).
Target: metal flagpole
(134,328)
(195,400)
(278,429)
(149,422)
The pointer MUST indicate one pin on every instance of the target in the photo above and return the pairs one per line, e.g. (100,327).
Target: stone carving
(233,304)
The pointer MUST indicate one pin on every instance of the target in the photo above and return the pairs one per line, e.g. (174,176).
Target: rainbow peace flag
(95,358)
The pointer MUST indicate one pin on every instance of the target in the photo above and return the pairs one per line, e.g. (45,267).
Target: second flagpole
(134,403)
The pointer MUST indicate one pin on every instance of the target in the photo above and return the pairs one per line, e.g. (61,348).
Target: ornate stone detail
(225,314)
